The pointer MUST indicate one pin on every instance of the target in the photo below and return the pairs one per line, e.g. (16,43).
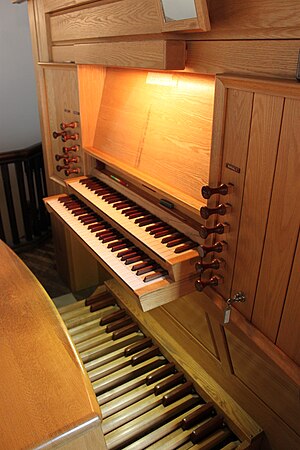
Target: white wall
(19,122)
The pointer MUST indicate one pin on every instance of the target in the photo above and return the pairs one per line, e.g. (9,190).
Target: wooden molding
(169,55)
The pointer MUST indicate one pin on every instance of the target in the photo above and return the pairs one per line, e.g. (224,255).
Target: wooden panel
(39,30)
(267,381)
(91,80)
(194,320)
(39,366)
(63,53)
(289,331)
(235,20)
(177,133)
(263,58)
(122,18)
(235,149)
(141,54)
(283,226)
(232,19)
(141,127)
(62,106)
(264,138)
(53,5)
(278,434)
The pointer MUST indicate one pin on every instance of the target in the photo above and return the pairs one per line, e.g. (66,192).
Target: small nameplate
(232,167)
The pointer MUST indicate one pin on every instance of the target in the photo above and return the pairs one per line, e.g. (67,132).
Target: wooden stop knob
(64,125)
(200,285)
(208,191)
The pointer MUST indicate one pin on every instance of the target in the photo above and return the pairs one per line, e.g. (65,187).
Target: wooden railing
(24,186)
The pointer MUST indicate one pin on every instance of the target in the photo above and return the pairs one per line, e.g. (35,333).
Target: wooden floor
(41,261)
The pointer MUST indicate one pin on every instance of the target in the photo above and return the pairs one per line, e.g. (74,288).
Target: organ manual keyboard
(148,250)
(99,380)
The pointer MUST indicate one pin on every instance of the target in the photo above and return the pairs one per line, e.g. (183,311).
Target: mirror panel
(178,10)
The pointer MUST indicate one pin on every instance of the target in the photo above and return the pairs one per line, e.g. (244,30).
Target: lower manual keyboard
(133,268)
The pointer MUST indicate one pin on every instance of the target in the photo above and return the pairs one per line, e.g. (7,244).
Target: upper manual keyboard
(160,237)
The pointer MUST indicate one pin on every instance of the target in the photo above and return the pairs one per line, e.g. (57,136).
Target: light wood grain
(39,364)
(276,58)
(53,5)
(289,330)
(62,99)
(194,321)
(263,19)
(156,54)
(264,134)
(140,128)
(262,377)
(39,28)
(235,149)
(263,85)
(91,81)
(121,18)
(63,53)
(283,227)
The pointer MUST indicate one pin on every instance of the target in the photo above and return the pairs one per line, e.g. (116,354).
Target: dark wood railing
(24,186)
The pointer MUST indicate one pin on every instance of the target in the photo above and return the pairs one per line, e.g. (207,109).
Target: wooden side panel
(266,380)
(62,106)
(289,332)
(264,137)
(122,18)
(91,82)
(283,227)
(235,150)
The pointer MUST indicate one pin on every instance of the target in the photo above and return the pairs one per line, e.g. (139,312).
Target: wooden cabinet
(122,33)
(260,120)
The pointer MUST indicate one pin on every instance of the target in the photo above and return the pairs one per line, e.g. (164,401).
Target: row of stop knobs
(221,228)
(67,157)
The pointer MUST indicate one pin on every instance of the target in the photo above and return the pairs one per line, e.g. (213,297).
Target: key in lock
(239,297)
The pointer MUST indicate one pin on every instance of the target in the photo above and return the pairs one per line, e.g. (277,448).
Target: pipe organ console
(178,186)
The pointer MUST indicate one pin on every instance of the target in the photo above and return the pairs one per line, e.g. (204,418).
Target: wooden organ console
(181,180)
